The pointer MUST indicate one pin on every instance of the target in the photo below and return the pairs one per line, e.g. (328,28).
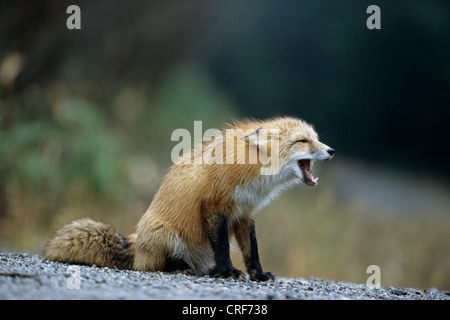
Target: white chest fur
(258,193)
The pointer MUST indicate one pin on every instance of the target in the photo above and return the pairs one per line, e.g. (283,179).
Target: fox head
(295,143)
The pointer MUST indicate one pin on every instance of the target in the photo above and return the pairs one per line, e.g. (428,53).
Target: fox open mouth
(308,178)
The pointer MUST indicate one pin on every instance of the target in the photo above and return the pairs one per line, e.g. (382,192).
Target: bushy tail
(86,241)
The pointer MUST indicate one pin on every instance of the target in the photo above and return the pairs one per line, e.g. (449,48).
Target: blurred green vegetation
(74,160)
(86,119)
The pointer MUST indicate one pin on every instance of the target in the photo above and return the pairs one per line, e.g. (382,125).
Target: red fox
(199,206)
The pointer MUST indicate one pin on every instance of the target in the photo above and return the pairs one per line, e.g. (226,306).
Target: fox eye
(302,141)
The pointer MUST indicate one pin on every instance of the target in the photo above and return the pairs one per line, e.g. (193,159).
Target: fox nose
(330,151)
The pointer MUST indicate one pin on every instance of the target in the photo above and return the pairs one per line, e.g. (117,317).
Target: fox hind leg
(176,265)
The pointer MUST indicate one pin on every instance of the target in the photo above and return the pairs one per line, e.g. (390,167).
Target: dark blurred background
(86,118)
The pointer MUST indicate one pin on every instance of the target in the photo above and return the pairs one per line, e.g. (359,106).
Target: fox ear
(259,137)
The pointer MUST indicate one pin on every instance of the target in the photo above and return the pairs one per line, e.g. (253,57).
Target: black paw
(232,273)
(261,276)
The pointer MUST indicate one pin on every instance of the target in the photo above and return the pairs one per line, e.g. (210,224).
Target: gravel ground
(24,276)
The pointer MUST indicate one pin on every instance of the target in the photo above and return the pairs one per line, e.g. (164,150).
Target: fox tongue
(305,166)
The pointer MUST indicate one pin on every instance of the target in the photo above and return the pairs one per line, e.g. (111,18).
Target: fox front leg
(244,231)
(220,244)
